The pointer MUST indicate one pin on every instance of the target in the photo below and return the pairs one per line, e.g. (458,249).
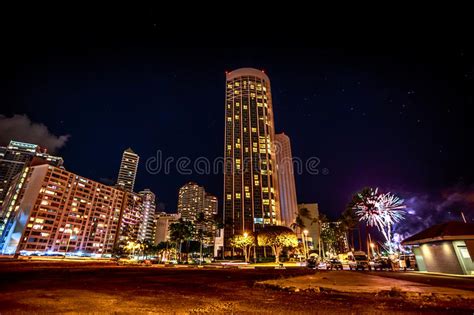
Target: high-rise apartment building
(193,200)
(286,180)
(147,227)
(128,170)
(51,209)
(16,156)
(251,198)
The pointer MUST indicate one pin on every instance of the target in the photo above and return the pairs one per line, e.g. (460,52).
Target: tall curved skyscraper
(251,197)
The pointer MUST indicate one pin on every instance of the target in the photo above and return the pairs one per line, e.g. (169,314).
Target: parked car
(359,260)
(334,264)
(312,263)
(381,264)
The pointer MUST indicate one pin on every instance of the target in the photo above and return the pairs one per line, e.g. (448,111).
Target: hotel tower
(251,198)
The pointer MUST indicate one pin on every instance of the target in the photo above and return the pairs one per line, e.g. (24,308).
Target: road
(90,287)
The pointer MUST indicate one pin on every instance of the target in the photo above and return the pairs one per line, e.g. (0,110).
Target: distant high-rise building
(131,218)
(193,200)
(311,223)
(51,209)
(162,226)
(17,155)
(286,180)
(251,197)
(128,170)
(147,227)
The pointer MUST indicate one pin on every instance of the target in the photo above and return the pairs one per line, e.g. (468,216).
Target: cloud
(21,128)
(425,210)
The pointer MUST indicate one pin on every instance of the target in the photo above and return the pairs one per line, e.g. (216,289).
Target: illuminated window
(229,147)
(245,129)
(266,202)
(247,195)
(236,91)
(229,118)
(254,150)
(254,129)
(257,183)
(246,149)
(237,117)
(237,195)
(246,188)
(245,106)
(237,145)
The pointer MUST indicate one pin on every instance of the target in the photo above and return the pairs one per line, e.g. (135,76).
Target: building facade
(147,227)
(286,180)
(16,156)
(444,248)
(56,210)
(128,170)
(163,221)
(192,201)
(251,197)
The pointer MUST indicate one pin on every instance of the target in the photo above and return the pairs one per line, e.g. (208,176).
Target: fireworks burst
(380,210)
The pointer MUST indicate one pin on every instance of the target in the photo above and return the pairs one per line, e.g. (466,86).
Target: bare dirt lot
(60,287)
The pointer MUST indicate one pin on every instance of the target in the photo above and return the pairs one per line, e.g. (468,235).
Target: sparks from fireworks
(381,211)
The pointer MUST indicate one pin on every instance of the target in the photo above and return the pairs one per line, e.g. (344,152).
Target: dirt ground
(61,287)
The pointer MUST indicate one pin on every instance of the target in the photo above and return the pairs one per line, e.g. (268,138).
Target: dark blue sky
(393,115)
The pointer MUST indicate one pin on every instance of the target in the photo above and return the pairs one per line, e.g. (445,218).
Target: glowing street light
(246,234)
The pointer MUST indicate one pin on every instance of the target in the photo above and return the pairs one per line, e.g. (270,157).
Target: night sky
(393,115)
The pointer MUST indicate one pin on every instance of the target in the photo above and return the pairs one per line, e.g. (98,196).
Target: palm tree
(301,215)
(349,219)
(180,232)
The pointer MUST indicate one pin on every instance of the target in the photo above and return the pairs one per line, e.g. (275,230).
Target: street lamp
(305,237)
(246,234)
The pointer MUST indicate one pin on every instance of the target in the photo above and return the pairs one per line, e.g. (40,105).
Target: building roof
(129,150)
(445,231)
(246,72)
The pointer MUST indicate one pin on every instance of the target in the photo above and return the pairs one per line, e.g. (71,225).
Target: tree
(181,231)
(277,237)
(244,242)
(118,251)
(132,247)
(349,220)
(165,250)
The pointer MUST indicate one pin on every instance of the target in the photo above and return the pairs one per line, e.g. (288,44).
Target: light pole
(372,245)
(305,233)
